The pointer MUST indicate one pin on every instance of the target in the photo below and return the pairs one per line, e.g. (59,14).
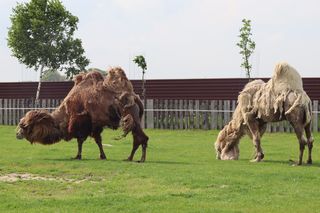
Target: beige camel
(281,98)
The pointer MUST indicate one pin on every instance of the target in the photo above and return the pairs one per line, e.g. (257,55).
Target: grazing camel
(281,98)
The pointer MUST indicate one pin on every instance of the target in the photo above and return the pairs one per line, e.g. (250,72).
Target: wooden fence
(161,114)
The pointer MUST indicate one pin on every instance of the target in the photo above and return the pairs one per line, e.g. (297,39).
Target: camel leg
(309,142)
(139,138)
(257,143)
(142,139)
(302,142)
(80,142)
(133,151)
(98,140)
(254,128)
(144,153)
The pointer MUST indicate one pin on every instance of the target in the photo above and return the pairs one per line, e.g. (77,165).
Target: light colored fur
(227,143)
(261,102)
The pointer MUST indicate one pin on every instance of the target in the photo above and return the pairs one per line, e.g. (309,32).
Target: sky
(185,38)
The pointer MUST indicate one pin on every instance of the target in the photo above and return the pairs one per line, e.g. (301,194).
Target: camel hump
(94,76)
(117,81)
(285,77)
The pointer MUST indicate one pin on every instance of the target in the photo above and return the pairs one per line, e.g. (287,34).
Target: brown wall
(211,89)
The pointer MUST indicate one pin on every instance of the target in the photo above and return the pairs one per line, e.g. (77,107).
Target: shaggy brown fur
(89,106)
(281,98)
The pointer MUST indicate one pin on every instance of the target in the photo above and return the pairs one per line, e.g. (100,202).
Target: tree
(54,75)
(246,45)
(97,69)
(41,37)
(141,62)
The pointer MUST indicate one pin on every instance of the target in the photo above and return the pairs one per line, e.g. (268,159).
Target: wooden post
(181,114)
(220,115)
(315,116)
(5,116)
(191,115)
(1,112)
(162,115)
(197,114)
(186,114)
(166,115)
(14,111)
(149,114)
(214,115)
(171,114)
(176,115)
(226,114)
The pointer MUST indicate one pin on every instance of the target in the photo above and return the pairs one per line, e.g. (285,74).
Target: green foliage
(181,174)
(247,45)
(41,36)
(141,62)
(54,75)
(97,69)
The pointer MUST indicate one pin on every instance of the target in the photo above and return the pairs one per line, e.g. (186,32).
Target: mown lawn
(181,174)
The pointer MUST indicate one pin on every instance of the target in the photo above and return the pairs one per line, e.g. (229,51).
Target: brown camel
(281,98)
(90,105)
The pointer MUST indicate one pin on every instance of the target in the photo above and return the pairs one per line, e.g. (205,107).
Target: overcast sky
(185,38)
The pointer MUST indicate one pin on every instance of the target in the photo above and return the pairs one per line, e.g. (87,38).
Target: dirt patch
(14,177)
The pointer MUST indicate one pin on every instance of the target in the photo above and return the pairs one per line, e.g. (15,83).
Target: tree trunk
(144,97)
(143,86)
(37,102)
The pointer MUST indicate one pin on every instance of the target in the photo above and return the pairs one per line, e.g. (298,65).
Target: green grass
(181,174)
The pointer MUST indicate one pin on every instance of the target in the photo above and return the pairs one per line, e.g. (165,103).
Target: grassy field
(181,174)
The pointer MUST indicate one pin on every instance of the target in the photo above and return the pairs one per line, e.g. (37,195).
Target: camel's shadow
(116,160)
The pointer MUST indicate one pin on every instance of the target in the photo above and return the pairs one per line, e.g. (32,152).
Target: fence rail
(161,114)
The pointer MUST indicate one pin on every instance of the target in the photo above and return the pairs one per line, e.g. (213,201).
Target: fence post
(197,117)
(213,108)
(315,116)
(191,115)
(205,115)
(226,114)
(171,114)
(149,114)
(14,111)
(186,115)
(5,116)
(176,114)
(1,112)
(181,114)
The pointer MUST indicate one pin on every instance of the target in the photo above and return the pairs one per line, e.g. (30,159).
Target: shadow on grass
(291,162)
(116,160)
(170,162)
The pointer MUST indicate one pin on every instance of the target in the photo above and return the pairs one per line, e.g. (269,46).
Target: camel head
(38,126)
(227,145)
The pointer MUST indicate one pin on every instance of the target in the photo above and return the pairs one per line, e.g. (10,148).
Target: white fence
(161,114)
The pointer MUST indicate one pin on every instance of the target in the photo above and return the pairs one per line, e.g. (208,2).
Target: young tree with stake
(247,46)
(141,62)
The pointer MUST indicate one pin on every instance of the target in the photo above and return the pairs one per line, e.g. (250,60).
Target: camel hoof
(141,161)
(128,159)
(309,162)
(78,157)
(103,157)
